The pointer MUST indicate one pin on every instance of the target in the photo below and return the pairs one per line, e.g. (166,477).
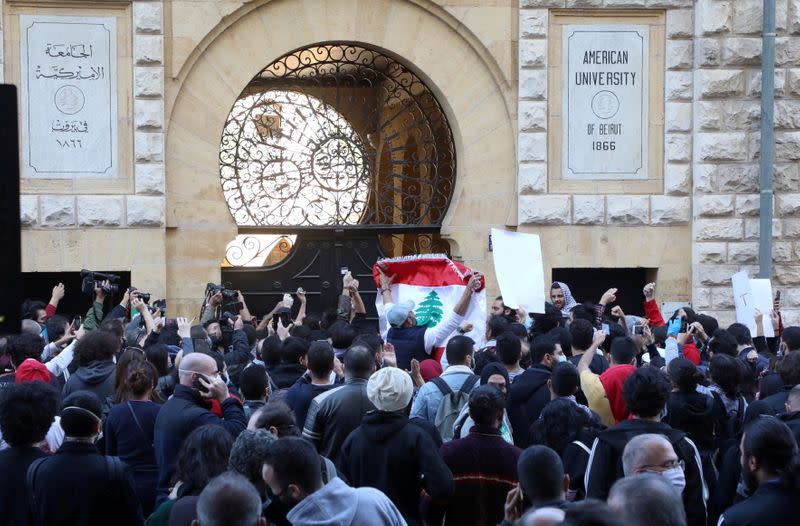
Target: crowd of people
(581,415)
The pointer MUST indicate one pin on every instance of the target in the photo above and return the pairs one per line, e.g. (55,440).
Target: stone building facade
(494,66)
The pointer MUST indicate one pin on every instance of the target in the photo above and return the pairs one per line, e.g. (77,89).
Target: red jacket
(612,380)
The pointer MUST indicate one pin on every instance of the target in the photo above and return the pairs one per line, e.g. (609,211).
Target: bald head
(646,451)
(31,327)
(194,363)
(542,517)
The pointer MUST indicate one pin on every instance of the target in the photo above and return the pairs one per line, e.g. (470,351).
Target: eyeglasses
(670,464)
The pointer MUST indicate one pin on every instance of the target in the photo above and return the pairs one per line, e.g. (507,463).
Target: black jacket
(528,396)
(702,417)
(793,421)
(605,464)
(286,374)
(14,462)
(182,414)
(770,505)
(771,405)
(74,487)
(398,458)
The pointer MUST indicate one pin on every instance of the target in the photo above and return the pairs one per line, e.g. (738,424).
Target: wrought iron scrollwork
(257,250)
(337,135)
(396,245)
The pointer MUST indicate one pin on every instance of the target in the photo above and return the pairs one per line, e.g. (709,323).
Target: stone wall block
(672,4)
(148,114)
(96,210)
(723,146)
(677,179)
(793,24)
(791,228)
(533,23)
(543,3)
(532,84)
(787,52)
(794,82)
(708,52)
(715,17)
(748,204)
(584,3)
(787,274)
(721,83)
(787,146)
(532,53)
(743,253)
(148,147)
(678,116)
(782,252)
(57,210)
(718,229)
(735,178)
(789,205)
(747,16)
(628,210)
(588,209)
(680,23)
(28,210)
(752,228)
(149,178)
(722,298)
(532,146)
(701,298)
(146,211)
(741,52)
(533,116)
(704,178)
(680,54)
(678,147)
(148,81)
(147,17)
(670,210)
(545,209)
(787,177)
(148,50)
(715,253)
(714,205)
(790,298)
(754,83)
(787,114)
(625,3)
(711,275)
(532,178)
(678,85)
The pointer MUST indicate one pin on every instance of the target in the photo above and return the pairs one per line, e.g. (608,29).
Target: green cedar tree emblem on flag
(429,312)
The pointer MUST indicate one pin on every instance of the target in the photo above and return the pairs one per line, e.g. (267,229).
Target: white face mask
(676,477)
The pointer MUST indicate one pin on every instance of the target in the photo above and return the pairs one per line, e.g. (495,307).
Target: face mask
(676,477)
(562,358)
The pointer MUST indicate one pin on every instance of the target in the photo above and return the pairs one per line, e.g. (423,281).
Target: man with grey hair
(653,453)
(248,454)
(646,499)
(229,500)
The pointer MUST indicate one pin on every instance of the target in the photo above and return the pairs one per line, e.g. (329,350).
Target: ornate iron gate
(345,147)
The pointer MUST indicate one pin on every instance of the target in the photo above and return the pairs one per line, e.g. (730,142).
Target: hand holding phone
(200,386)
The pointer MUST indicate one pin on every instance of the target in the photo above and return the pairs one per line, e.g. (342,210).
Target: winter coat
(770,505)
(702,417)
(400,459)
(771,405)
(528,396)
(605,463)
(286,374)
(300,395)
(14,462)
(182,414)
(75,487)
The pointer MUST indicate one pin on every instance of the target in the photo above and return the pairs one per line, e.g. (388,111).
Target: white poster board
(749,295)
(519,270)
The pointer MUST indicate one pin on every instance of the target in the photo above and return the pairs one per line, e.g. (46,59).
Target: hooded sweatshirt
(612,380)
(337,504)
(387,453)
(569,301)
(96,376)
(526,399)
(700,416)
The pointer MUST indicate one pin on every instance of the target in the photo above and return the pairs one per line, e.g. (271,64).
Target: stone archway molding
(452,61)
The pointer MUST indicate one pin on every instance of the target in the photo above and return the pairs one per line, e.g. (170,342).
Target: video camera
(90,280)
(230,297)
(144,296)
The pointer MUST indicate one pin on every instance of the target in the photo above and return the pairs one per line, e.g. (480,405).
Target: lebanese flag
(434,283)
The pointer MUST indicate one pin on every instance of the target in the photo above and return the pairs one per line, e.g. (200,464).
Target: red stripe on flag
(424,271)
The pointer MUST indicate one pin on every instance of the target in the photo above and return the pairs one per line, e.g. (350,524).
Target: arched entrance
(476,98)
(332,156)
